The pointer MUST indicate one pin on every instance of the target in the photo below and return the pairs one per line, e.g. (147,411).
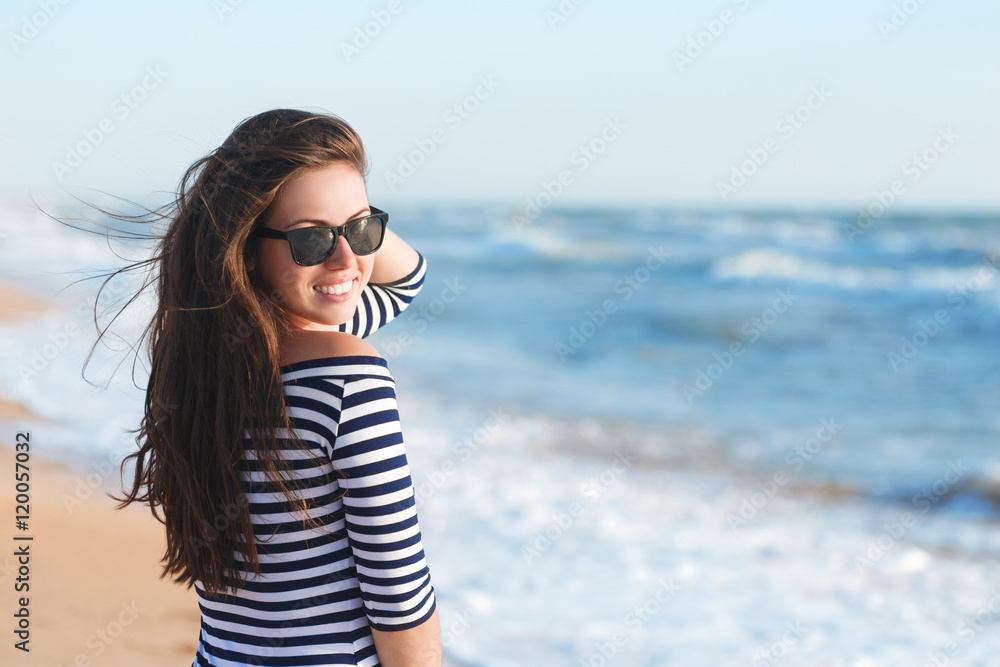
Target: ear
(251,264)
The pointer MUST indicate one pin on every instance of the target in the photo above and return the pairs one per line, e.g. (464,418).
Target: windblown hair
(214,346)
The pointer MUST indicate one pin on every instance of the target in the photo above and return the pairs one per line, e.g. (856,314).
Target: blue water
(833,304)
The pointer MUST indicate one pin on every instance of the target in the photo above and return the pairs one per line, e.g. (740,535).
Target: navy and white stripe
(322,590)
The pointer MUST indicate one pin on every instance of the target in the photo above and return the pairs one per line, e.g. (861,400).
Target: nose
(342,254)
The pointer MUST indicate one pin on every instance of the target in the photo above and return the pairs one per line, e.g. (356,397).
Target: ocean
(652,437)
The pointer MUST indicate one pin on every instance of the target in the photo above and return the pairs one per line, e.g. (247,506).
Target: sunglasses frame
(338,231)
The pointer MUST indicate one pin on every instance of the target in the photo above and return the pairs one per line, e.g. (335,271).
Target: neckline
(351,360)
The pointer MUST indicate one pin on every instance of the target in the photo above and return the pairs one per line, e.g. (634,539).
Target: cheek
(368,265)
(275,269)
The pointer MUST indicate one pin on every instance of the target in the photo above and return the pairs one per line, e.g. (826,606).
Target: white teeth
(335,289)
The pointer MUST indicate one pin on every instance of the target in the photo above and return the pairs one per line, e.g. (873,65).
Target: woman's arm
(393,260)
(419,646)
(380,519)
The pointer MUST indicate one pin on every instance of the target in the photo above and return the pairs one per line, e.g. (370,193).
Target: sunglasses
(314,245)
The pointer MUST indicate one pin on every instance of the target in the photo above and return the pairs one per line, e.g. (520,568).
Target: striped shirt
(321,590)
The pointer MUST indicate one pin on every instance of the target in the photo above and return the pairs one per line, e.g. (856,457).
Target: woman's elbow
(419,646)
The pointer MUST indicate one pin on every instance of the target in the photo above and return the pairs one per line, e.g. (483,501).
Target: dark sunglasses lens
(365,235)
(311,245)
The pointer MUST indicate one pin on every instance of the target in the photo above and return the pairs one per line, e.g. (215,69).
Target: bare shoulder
(307,345)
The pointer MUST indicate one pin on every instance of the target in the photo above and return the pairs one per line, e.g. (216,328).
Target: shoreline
(19,303)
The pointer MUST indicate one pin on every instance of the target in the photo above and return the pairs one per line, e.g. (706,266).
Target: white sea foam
(587,541)
(770,263)
(559,243)
(944,237)
(814,231)
(977,278)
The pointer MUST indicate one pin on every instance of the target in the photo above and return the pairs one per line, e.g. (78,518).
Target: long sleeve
(379,506)
(381,303)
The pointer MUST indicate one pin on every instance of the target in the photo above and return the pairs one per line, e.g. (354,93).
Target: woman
(271,441)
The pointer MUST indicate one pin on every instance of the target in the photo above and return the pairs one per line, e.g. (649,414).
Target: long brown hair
(214,345)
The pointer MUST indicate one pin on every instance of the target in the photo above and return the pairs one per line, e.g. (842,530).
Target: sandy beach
(95,596)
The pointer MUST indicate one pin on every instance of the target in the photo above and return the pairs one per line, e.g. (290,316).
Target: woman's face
(331,195)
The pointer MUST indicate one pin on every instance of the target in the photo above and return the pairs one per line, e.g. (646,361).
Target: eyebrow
(324,222)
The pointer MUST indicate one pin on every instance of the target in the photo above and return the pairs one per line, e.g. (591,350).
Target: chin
(336,320)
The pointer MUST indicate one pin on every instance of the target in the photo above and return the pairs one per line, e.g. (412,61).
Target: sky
(730,104)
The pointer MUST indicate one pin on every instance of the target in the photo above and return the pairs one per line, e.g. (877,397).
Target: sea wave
(818,231)
(899,240)
(767,263)
(556,244)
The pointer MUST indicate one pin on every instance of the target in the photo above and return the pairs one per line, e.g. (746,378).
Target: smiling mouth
(336,290)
